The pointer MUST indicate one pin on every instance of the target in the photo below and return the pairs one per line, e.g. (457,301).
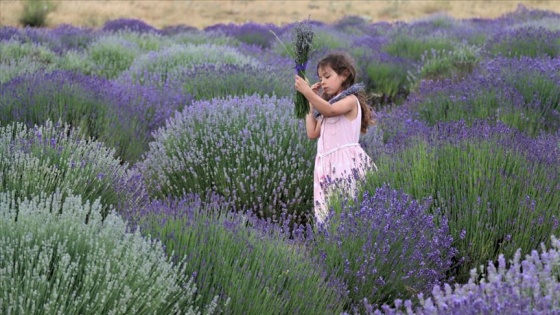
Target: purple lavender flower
(240,256)
(267,172)
(528,286)
(480,175)
(251,33)
(385,245)
(133,25)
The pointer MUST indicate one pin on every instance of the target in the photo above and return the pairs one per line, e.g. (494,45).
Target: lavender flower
(132,25)
(302,39)
(249,33)
(238,256)
(64,265)
(384,245)
(528,286)
(246,148)
(54,158)
(490,180)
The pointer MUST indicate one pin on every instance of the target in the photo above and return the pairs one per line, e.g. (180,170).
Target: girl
(342,115)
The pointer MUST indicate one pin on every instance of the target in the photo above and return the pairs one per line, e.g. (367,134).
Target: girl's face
(331,82)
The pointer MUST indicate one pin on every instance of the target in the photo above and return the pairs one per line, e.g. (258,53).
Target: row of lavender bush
(189,134)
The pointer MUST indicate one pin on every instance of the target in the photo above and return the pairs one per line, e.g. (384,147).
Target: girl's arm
(341,107)
(313,125)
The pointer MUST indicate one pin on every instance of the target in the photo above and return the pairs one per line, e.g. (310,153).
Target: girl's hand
(302,86)
(316,87)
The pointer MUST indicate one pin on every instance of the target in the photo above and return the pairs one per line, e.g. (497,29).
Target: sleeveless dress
(339,156)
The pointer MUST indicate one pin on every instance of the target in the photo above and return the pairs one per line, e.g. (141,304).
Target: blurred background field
(200,14)
(176,118)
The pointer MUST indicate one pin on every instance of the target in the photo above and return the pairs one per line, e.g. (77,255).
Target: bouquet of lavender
(301,40)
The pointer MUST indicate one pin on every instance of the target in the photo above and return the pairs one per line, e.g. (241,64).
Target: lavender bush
(246,148)
(413,47)
(523,93)
(18,58)
(64,38)
(163,62)
(199,37)
(249,262)
(457,63)
(13,50)
(52,262)
(220,81)
(388,79)
(14,68)
(147,41)
(548,23)
(249,33)
(528,286)
(498,187)
(130,25)
(107,57)
(324,38)
(121,116)
(528,41)
(385,245)
(51,158)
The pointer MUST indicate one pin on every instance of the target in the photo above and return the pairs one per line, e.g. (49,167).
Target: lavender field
(163,171)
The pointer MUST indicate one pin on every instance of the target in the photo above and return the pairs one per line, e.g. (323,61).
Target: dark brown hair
(343,64)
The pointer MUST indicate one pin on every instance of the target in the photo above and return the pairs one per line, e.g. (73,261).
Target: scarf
(353,89)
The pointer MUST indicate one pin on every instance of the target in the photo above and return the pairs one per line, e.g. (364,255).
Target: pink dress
(338,155)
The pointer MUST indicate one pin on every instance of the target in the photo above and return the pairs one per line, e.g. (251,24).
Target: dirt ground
(202,13)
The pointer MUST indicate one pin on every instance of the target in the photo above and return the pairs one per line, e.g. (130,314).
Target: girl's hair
(343,64)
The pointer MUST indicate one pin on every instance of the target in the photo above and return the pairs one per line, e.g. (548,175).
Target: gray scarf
(353,89)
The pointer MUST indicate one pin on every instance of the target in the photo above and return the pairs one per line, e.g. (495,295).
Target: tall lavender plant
(52,262)
(385,245)
(53,157)
(521,92)
(497,187)
(528,286)
(249,262)
(246,148)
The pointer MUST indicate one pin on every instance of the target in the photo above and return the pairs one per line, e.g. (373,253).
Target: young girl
(342,115)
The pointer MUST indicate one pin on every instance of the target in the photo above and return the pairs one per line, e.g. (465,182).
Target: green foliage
(449,64)
(195,37)
(53,263)
(442,107)
(109,56)
(496,196)
(528,102)
(146,41)
(160,64)
(18,58)
(534,42)
(259,271)
(210,81)
(50,158)
(389,81)
(35,12)
(82,102)
(15,50)
(406,46)
(11,69)
(541,103)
